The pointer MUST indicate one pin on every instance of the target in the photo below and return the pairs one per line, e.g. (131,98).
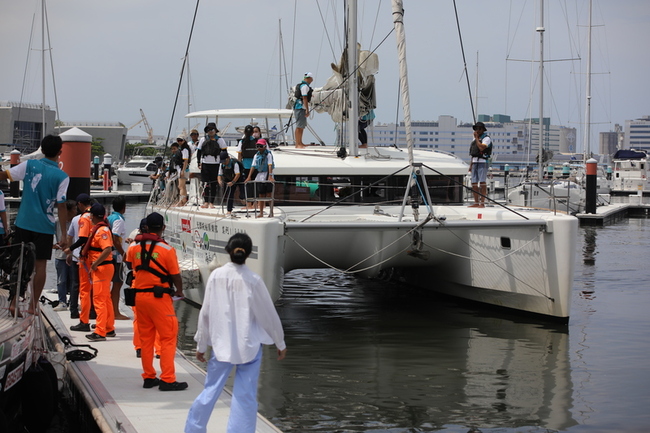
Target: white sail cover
(330,97)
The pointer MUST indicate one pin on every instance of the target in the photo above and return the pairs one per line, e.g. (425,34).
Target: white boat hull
(489,255)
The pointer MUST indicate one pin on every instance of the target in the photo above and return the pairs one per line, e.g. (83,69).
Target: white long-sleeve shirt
(237,315)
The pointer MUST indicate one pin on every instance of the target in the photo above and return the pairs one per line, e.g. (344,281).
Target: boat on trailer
(385,212)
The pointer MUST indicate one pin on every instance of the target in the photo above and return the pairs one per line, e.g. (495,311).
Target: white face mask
(256,134)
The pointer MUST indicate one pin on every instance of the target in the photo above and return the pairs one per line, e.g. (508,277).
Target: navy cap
(83,198)
(143,225)
(98,210)
(155,220)
(223,156)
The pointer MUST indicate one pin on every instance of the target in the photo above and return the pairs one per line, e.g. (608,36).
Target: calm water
(369,356)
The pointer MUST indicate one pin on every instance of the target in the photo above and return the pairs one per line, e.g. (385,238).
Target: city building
(111,135)
(513,141)
(611,141)
(637,134)
(23,125)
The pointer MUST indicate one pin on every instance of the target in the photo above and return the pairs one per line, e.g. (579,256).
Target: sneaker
(111,334)
(61,307)
(150,383)
(138,353)
(174,386)
(81,326)
(95,337)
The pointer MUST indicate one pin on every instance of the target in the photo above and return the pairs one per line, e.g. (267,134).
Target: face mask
(256,134)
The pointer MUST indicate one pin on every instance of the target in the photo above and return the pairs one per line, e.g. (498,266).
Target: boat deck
(111,384)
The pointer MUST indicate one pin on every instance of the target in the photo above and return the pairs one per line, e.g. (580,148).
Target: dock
(611,213)
(110,385)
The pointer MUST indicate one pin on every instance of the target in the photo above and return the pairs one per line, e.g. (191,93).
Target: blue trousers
(63,279)
(243,409)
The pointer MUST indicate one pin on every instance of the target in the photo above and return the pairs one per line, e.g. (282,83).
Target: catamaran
(383,212)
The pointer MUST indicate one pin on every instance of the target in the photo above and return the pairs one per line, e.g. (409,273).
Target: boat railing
(16,265)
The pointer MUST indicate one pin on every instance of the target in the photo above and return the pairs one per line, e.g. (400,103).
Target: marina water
(375,356)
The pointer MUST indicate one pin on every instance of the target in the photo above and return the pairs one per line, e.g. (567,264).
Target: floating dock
(611,213)
(111,384)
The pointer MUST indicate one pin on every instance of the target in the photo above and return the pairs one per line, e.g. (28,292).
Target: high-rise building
(637,134)
(509,137)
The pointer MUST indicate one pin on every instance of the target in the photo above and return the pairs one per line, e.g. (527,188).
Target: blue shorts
(301,119)
(479,172)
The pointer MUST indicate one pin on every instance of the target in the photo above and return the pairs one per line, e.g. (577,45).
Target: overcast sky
(112,58)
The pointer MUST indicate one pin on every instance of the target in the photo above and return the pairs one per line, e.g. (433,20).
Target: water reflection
(371,356)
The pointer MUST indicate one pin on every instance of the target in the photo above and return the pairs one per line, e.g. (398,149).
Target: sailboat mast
(398,22)
(587,150)
(43,65)
(353,88)
(540,153)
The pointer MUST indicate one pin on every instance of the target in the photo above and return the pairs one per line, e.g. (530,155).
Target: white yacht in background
(384,212)
(630,172)
(137,170)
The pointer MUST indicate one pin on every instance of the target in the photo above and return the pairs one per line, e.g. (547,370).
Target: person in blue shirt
(45,186)
(116,222)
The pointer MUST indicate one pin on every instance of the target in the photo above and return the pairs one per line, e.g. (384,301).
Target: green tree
(96,148)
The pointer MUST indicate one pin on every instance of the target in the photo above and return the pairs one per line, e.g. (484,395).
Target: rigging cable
(180,81)
(462,49)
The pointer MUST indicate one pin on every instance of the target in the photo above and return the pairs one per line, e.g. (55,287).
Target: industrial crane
(147,127)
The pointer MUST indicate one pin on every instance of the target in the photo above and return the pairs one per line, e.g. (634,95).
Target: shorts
(117,273)
(42,241)
(263,187)
(479,172)
(301,119)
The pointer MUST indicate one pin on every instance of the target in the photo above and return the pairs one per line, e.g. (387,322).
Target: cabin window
(304,190)
(505,243)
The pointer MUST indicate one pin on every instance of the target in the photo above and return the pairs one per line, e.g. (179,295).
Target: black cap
(223,156)
(143,225)
(155,221)
(478,125)
(98,210)
(83,198)
(210,126)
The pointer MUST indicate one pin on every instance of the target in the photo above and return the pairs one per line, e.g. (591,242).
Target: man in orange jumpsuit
(98,252)
(155,271)
(85,224)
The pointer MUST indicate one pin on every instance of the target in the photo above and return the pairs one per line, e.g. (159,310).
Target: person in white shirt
(236,319)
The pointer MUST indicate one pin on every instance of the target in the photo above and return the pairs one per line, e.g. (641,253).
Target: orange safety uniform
(155,315)
(85,302)
(137,344)
(101,280)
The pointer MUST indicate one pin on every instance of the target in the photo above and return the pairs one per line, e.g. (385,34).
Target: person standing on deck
(97,251)
(301,107)
(236,319)
(479,165)
(117,225)
(155,272)
(230,171)
(64,276)
(207,155)
(246,150)
(263,169)
(83,231)
(45,186)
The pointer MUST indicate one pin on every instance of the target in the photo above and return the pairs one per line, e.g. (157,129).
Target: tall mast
(587,150)
(540,30)
(353,88)
(43,65)
(398,22)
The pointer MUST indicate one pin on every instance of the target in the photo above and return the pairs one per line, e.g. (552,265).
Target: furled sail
(331,99)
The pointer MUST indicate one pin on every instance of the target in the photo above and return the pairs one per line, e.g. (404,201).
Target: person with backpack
(263,169)
(480,150)
(230,171)
(207,155)
(303,94)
